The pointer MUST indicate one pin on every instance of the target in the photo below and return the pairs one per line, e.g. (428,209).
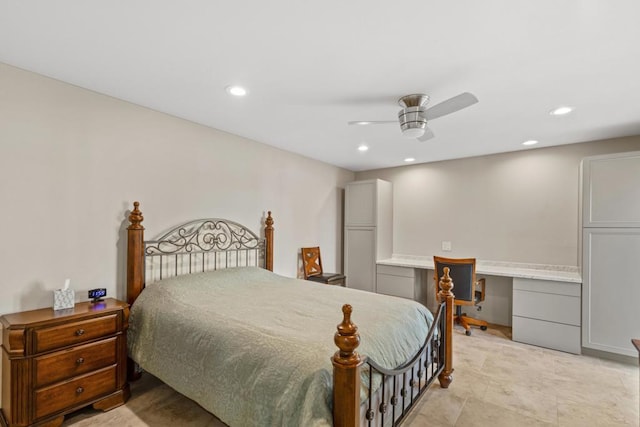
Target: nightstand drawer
(79,360)
(74,333)
(71,393)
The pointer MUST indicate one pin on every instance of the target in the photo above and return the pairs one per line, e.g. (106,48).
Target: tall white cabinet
(367,230)
(611,252)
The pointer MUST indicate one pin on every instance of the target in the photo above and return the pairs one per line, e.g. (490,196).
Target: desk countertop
(558,273)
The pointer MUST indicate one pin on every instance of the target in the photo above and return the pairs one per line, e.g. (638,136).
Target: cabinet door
(360,203)
(611,194)
(611,291)
(360,260)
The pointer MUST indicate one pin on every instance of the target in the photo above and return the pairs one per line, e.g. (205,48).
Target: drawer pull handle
(80,360)
(80,332)
(79,390)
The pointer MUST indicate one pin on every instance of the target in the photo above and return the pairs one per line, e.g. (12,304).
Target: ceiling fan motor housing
(412,123)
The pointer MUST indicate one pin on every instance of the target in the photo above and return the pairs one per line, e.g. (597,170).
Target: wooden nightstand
(55,362)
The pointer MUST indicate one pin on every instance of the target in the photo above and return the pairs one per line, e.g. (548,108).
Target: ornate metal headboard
(202,245)
(197,246)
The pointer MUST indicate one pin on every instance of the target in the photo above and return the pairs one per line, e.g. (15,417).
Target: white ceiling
(312,66)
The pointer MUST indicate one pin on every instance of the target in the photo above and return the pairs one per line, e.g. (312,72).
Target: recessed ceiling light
(359,123)
(236,90)
(530,142)
(363,148)
(409,159)
(561,111)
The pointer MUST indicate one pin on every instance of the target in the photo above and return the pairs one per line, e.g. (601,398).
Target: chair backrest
(463,274)
(311,262)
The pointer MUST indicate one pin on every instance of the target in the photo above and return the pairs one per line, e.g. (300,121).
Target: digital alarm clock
(97,294)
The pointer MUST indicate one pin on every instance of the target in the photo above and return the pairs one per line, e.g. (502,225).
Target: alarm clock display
(97,294)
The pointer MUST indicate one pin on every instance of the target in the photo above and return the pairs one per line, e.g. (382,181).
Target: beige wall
(521,206)
(73,161)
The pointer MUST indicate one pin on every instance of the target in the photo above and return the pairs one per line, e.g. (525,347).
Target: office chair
(312,267)
(467,290)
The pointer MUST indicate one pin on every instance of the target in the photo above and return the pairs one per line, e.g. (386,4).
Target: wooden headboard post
(135,254)
(346,373)
(268,235)
(446,284)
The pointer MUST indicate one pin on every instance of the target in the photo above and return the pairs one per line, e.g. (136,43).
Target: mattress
(254,347)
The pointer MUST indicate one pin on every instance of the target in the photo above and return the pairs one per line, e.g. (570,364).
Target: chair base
(466,322)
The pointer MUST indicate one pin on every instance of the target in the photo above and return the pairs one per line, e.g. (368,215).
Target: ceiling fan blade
(369,122)
(449,106)
(428,134)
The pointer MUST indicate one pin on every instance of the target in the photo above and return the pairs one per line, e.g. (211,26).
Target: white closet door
(611,294)
(360,258)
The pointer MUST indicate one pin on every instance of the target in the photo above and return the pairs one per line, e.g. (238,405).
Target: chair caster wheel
(484,328)
(467,333)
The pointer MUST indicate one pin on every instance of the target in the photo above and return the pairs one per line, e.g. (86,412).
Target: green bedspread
(254,347)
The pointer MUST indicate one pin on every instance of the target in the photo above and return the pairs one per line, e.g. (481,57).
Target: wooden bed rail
(347,362)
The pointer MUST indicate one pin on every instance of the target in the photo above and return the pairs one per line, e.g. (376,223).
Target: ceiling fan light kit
(411,128)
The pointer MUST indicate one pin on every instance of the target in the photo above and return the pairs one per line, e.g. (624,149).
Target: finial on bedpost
(346,373)
(135,218)
(445,294)
(347,338)
(446,284)
(268,235)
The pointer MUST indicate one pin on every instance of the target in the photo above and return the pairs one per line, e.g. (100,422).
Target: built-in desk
(557,273)
(546,299)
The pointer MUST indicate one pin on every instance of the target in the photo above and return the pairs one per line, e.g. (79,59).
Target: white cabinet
(611,190)
(611,252)
(546,313)
(360,203)
(404,282)
(612,289)
(360,258)
(368,230)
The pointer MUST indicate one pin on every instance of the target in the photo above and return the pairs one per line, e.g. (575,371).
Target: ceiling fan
(414,115)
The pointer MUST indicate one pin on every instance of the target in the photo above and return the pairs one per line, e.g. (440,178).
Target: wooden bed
(227,244)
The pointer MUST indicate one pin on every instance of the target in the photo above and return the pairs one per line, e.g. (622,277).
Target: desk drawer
(552,335)
(551,307)
(396,271)
(547,286)
(68,394)
(74,333)
(76,361)
(397,286)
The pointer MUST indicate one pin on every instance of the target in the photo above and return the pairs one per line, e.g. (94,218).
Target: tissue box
(63,298)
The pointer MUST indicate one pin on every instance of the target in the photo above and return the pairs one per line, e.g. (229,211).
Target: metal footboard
(400,389)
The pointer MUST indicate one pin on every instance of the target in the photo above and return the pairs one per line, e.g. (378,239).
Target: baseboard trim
(631,360)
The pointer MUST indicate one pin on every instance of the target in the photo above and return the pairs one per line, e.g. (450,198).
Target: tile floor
(497,382)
